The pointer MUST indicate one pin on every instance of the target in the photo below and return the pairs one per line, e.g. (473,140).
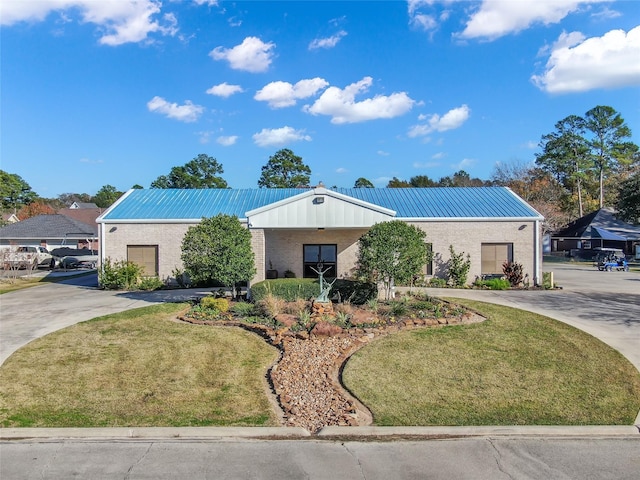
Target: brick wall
(283,248)
(168,237)
(469,236)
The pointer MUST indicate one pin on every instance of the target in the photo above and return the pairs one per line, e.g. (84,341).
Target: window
(428,268)
(313,255)
(146,256)
(494,255)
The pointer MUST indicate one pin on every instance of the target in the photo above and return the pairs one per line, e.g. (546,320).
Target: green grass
(138,368)
(516,368)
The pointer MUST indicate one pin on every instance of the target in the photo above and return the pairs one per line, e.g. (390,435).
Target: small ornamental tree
(218,250)
(391,251)
(458,268)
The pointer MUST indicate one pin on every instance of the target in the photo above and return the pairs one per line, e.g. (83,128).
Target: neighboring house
(50,231)
(82,205)
(599,229)
(87,216)
(293,229)
(10,218)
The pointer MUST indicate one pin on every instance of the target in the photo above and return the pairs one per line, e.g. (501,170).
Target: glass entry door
(318,256)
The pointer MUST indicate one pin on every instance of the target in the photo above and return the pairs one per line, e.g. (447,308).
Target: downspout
(537,254)
(101,245)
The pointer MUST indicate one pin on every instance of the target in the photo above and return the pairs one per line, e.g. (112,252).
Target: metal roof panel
(414,203)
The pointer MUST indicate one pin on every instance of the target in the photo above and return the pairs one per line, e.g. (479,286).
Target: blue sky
(118,92)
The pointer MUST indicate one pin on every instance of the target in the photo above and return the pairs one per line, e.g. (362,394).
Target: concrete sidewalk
(329,433)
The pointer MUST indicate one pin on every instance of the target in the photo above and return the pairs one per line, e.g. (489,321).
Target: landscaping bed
(316,342)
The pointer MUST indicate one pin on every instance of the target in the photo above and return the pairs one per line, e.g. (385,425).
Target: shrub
(150,283)
(514,272)
(121,275)
(218,305)
(437,282)
(296,306)
(493,283)
(355,292)
(289,274)
(271,305)
(458,268)
(288,289)
(243,309)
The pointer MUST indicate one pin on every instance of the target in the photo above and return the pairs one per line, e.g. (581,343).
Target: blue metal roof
(598,232)
(415,203)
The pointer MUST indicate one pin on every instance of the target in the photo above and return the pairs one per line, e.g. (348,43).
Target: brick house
(292,229)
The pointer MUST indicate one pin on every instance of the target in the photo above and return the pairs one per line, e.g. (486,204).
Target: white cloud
(426,164)
(496,18)
(279,136)
(210,3)
(252,55)
(124,21)
(329,42)
(424,22)
(340,104)
(227,141)
(189,112)
(382,153)
(341,170)
(451,120)
(464,163)
(224,90)
(283,94)
(91,161)
(577,64)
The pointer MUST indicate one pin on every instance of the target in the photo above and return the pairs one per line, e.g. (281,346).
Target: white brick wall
(284,247)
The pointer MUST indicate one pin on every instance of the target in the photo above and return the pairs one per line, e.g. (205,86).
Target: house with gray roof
(598,229)
(295,229)
(50,231)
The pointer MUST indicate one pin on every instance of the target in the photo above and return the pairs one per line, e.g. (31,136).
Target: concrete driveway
(34,312)
(603,304)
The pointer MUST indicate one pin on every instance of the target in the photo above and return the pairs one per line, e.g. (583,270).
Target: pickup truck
(29,257)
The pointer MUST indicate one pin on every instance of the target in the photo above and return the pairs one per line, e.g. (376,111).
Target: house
(599,229)
(82,205)
(9,218)
(294,229)
(87,216)
(50,231)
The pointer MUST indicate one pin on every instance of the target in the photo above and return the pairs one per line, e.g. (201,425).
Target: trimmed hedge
(357,293)
(291,289)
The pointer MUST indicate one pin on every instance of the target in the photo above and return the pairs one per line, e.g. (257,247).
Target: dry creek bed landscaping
(306,378)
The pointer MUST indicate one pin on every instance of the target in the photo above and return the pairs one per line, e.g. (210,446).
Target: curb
(132,433)
(483,431)
(327,433)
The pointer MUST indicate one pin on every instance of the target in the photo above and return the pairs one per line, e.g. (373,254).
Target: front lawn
(138,368)
(517,368)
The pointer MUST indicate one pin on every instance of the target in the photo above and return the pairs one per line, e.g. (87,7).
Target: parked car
(28,256)
(76,257)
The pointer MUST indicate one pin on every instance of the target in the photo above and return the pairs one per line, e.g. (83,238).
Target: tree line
(587,162)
